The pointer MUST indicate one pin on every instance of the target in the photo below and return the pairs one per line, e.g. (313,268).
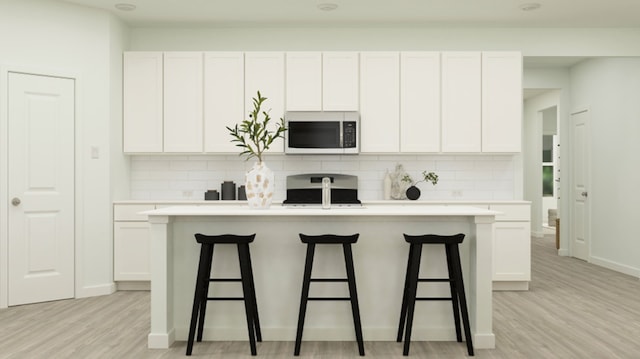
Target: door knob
(16,201)
(584,194)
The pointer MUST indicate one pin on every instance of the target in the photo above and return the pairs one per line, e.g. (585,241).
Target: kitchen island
(380,258)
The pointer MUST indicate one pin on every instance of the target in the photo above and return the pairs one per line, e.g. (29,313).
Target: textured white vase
(259,185)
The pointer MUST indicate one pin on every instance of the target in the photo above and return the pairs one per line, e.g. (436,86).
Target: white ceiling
(435,13)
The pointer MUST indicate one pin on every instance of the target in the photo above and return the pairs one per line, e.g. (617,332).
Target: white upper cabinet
(224,99)
(304,81)
(340,81)
(379,102)
(501,101)
(461,102)
(419,102)
(142,102)
(264,72)
(183,101)
(318,81)
(409,102)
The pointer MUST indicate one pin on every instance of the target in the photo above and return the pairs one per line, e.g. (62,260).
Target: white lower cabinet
(512,247)
(131,252)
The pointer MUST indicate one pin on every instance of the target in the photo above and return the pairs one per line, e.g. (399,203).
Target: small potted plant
(254,136)
(413,192)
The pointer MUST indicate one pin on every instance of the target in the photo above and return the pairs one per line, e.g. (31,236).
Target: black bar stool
(346,242)
(204,278)
(456,285)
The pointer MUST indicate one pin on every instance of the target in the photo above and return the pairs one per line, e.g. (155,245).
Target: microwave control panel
(349,134)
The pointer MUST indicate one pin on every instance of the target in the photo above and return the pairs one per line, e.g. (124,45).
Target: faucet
(326,192)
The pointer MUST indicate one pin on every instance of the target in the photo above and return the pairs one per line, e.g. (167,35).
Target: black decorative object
(228,190)
(413,193)
(242,193)
(211,195)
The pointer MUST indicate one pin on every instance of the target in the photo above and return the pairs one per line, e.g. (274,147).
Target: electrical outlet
(187,194)
(456,193)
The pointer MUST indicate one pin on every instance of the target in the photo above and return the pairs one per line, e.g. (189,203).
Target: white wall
(531,41)
(610,89)
(43,36)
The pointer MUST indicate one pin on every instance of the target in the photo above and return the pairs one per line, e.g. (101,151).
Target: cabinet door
(340,81)
(512,251)
(461,101)
(264,72)
(304,81)
(379,102)
(420,102)
(131,251)
(142,102)
(183,102)
(224,93)
(501,101)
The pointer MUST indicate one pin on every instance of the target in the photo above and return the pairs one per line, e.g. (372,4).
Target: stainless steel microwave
(322,132)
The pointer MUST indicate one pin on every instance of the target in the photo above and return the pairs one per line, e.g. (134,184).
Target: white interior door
(580,215)
(41,188)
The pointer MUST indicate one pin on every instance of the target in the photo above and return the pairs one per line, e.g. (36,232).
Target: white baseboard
(161,341)
(131,285)
(510,286)
(622,268)
(537,234)
(96,290)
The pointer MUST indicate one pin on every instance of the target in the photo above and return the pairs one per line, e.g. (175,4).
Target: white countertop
(278,210)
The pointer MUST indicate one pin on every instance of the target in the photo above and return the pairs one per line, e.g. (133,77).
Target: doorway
(40,188)
(550,167)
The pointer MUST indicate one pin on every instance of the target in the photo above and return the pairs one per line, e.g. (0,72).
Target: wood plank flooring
(573,310)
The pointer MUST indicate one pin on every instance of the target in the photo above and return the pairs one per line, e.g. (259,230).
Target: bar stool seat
(201,295)
(454,279)
(346,242)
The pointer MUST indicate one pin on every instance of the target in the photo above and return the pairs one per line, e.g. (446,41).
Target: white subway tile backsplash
(461,177)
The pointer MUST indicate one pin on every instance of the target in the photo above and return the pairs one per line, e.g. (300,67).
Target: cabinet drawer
(130,212)
(512,212)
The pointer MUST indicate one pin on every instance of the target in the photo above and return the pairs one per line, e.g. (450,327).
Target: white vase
(259,186)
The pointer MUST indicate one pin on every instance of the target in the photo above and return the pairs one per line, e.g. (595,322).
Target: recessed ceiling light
(125,7)
(327,6)
(530,6)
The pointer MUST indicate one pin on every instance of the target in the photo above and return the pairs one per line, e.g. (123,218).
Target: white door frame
(571,223)
(4,163)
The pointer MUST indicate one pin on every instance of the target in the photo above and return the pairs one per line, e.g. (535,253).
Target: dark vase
(413,193)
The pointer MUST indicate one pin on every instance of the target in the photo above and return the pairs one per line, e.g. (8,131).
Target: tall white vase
(259,186)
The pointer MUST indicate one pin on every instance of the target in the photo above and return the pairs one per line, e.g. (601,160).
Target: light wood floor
(573,310)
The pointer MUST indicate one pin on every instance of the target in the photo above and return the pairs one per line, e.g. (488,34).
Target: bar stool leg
(462,298)
(405,297)
(256,318)
(248,296)
(205,292)
(453,285)
(197,297)
(412,291)
(304,296)
(355,309)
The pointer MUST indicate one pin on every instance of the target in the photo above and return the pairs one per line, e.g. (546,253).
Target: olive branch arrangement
(253,134)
